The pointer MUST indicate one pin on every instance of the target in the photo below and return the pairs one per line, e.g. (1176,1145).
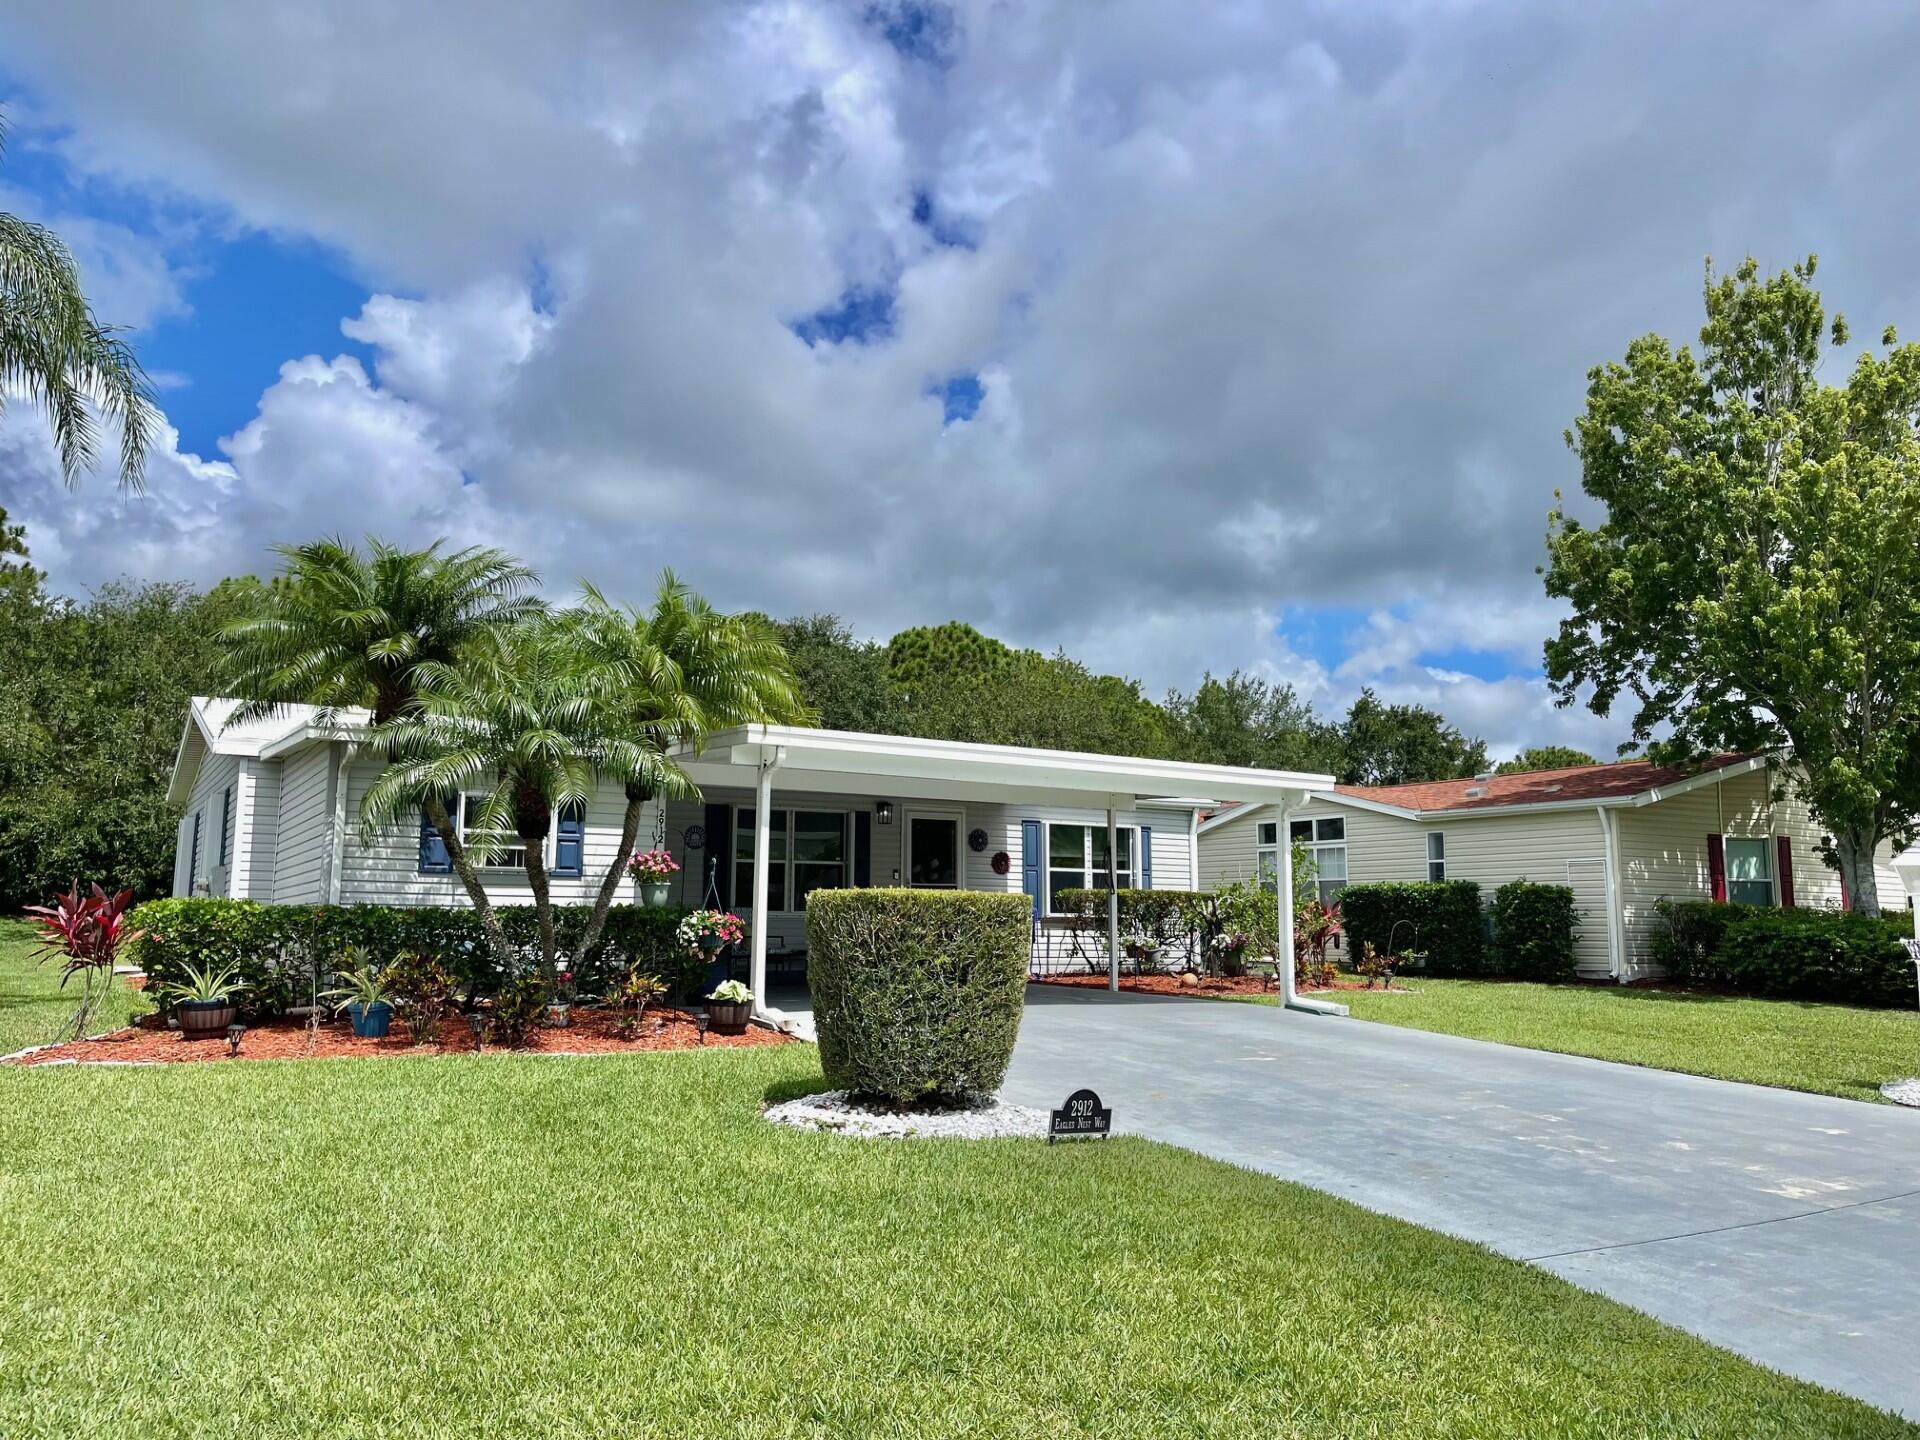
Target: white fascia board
(1239,812)
(1378,807)
(180,782)
(1694,782)
(1012,768)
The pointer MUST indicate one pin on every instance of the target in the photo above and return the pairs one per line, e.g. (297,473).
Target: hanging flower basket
(706,932)
(653,871)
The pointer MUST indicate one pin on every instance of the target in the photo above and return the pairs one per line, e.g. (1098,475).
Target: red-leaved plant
(86,932)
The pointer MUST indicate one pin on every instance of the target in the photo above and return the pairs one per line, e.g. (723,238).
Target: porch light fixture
(883,812)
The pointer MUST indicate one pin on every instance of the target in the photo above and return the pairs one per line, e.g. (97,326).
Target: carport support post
(762,842)
(1283,908)
(1113,899)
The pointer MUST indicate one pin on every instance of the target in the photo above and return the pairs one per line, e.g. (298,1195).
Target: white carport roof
(850,763)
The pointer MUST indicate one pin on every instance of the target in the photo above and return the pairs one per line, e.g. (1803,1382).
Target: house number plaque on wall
(1082,1115)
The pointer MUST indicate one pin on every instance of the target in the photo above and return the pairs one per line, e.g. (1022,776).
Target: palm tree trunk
(610,885)
(542,899)
(476,892)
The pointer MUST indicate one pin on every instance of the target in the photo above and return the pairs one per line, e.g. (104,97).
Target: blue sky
(1185,338)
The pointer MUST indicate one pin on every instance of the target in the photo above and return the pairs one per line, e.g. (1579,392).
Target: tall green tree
(670,676)
(843,681)
(54,351)
(341,629)
(1244,720)
(1396,744)
(1755,583)
(1544,757)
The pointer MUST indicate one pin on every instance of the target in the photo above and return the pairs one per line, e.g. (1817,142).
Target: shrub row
(1441,918)
(917,993)
(1831,955)
(278,949)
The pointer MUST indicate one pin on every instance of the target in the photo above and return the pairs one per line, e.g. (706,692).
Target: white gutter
(1610,865)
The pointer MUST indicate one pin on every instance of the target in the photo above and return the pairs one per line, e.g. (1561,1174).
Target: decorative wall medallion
(976,840)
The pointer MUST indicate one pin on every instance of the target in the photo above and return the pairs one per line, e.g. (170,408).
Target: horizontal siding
(216,773)
(259,824)
(1555,847)
(1663,854)
(303,830)
(1379,847)
(386,870)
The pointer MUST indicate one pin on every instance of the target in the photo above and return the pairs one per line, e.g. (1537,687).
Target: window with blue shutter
(570,840)
(226,826)
(193,855)
(1030,862)
(434,859)
(1146,857)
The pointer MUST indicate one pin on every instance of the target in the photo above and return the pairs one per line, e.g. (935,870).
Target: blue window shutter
(1146,857)
(862,849)
(226,825)
(1030,862)
(434,859)
(193,855)
(570,841)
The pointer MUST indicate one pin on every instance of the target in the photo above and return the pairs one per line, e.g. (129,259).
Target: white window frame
(786,865)
(1770,875)
(1125,877)
(1316,846)
(1436,862)
(519,866)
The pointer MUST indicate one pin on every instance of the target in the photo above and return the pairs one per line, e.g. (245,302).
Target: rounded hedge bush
(1535,928)
(917,993)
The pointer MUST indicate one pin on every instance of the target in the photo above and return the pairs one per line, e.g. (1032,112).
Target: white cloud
(1275,307)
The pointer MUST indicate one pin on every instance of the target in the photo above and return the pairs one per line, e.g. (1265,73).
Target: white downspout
(762,862)
(1610,868)
(337,856)
(1290,998)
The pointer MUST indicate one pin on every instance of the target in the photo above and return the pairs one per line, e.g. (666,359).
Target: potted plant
(1143,950)
(708,932)
(367,1000)
(204,1001)
(653,871)
(729,1008)
(560,1007)
(1229,950)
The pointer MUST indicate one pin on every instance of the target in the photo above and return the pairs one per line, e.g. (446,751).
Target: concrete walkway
(1783,1226)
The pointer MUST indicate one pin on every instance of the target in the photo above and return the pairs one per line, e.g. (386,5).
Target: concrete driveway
(1783,1226)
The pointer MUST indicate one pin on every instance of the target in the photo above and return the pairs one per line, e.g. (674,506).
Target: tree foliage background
(97,693)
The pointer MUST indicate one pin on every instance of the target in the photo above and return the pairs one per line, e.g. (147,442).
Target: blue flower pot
(370,1022)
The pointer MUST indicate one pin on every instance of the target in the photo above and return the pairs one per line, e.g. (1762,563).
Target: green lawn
(33,1007)
(1829,1049)
(507,1246)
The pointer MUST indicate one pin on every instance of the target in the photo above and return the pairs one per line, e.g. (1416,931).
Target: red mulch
(591,1033)
(1209,985)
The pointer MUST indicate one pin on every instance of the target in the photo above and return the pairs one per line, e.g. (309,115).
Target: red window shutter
(1785,844)
(1717,866)
(1846,897)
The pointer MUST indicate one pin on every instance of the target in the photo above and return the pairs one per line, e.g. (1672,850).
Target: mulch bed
(1209,986)
(591,1033)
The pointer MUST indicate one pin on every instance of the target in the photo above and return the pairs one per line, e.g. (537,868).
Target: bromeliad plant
(86,933)
(705,931)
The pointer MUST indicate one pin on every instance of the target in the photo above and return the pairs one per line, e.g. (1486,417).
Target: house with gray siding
(1622,836)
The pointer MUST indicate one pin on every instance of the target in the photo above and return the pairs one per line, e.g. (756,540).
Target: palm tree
(516,724)
(339,629)
(671,676)
(53,348)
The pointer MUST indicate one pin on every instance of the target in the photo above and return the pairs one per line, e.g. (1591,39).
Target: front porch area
(786,811)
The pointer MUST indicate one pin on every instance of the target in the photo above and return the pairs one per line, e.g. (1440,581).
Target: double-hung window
(508,857)
(1436,855)
(807,850)
(563,850)
(1750,871)
(1077,859)
(1325,840)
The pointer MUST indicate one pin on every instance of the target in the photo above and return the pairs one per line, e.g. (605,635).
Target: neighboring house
(1622,836)
(270,811)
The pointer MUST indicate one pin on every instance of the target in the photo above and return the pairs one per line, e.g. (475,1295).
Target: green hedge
(1441,918)
(917,993)
(1534,929)
(276,948)
(1832,955)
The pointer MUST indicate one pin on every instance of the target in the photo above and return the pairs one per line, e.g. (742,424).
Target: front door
(933,850)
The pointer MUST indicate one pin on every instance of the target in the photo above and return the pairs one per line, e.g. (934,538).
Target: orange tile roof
(1618,780)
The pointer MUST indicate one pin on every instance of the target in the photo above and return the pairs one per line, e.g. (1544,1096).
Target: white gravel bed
(1903,1092)
(833,1111)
